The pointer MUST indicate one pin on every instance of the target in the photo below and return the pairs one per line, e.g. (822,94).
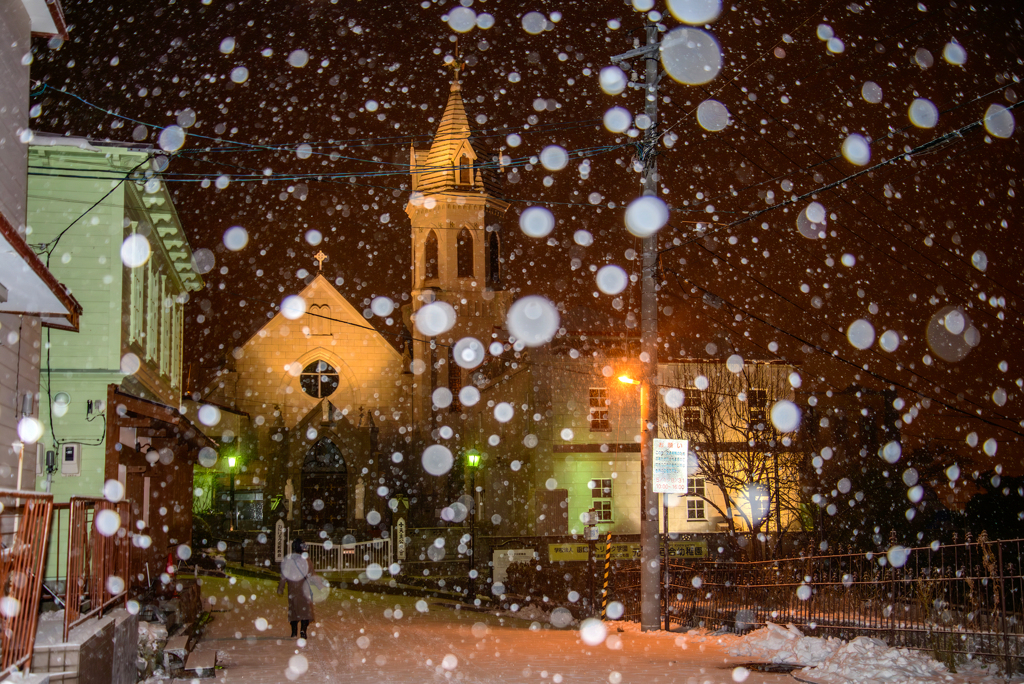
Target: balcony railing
(24,531)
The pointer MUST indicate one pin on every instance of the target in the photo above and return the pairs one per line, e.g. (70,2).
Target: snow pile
(775,644)
(870,660)
(530,611)
(150,633)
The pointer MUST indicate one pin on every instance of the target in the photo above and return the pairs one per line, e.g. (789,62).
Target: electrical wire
(48,247)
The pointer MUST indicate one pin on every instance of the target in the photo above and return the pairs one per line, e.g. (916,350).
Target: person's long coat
(295,574)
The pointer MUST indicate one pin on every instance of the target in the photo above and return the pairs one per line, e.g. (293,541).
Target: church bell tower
(456,208)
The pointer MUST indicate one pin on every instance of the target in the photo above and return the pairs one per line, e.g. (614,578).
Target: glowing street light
(231,468)
(472,462)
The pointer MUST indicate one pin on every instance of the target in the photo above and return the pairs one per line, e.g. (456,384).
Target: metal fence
(24,531)
(98,556)
(949,600)
(328,556)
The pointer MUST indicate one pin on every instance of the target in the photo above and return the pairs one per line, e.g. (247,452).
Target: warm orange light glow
(628,380)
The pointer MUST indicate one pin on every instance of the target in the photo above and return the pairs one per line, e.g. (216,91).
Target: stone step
(201,660)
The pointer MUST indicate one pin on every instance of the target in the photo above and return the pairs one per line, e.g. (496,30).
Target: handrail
(98,562)
(24,533)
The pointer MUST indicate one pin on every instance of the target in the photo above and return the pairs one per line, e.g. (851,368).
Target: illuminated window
(465,171)
(601,499)
(695,509)
(757,403)
(691,410)
(599,410)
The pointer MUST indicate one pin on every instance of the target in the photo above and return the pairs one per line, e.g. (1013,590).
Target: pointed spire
(454,162)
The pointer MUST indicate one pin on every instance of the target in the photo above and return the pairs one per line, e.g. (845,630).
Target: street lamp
(649,558)
(472,463)
(231,474)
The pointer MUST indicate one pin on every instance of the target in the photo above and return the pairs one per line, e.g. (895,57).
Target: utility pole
(650,591)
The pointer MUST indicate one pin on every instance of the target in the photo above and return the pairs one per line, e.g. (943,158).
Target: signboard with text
(569,552)
(502,558)
(697,548)
(671,466)
(400,539)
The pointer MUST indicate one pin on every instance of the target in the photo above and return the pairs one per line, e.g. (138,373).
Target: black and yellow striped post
(607,574)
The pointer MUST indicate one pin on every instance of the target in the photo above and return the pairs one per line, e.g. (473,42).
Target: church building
(330,414)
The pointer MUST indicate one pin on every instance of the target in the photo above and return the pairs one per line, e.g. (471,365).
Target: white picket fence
(331,557)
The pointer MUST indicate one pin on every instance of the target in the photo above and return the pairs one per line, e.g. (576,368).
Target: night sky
(937,227)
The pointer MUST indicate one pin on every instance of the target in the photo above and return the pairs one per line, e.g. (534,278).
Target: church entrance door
(324,488)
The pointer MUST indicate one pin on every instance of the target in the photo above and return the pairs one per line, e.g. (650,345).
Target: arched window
(465,171)
(430,257)
(319,319)
(454,381)
(493,259)
(319,379)
(465,254)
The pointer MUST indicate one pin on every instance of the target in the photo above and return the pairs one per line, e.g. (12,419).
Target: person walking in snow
(296,574)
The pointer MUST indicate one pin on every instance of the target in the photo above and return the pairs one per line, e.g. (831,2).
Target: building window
(465,254)
(757,403)
(691,410)
(177,333)
(430,257)
(319,319)
(465,171)
(319,379)
(454,381)
(601,499)
(137,324)
(494,259)
(695,509)
(166,305)
(599,410)
(152,331)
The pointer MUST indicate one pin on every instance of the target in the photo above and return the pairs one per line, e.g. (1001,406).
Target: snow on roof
(49,140)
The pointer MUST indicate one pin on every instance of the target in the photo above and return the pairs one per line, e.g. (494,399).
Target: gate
(359,556)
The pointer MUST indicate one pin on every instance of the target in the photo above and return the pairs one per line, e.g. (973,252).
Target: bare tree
(726,416)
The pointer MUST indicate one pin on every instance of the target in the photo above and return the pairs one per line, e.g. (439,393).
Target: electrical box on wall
(70,458)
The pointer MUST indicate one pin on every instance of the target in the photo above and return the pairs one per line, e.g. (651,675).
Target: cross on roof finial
(456,65)
(320,258)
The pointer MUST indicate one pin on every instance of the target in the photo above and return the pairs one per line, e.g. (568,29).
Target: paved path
(382,638)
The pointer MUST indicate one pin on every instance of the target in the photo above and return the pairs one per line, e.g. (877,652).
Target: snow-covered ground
(361,637)
(825,660)
(832,661)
